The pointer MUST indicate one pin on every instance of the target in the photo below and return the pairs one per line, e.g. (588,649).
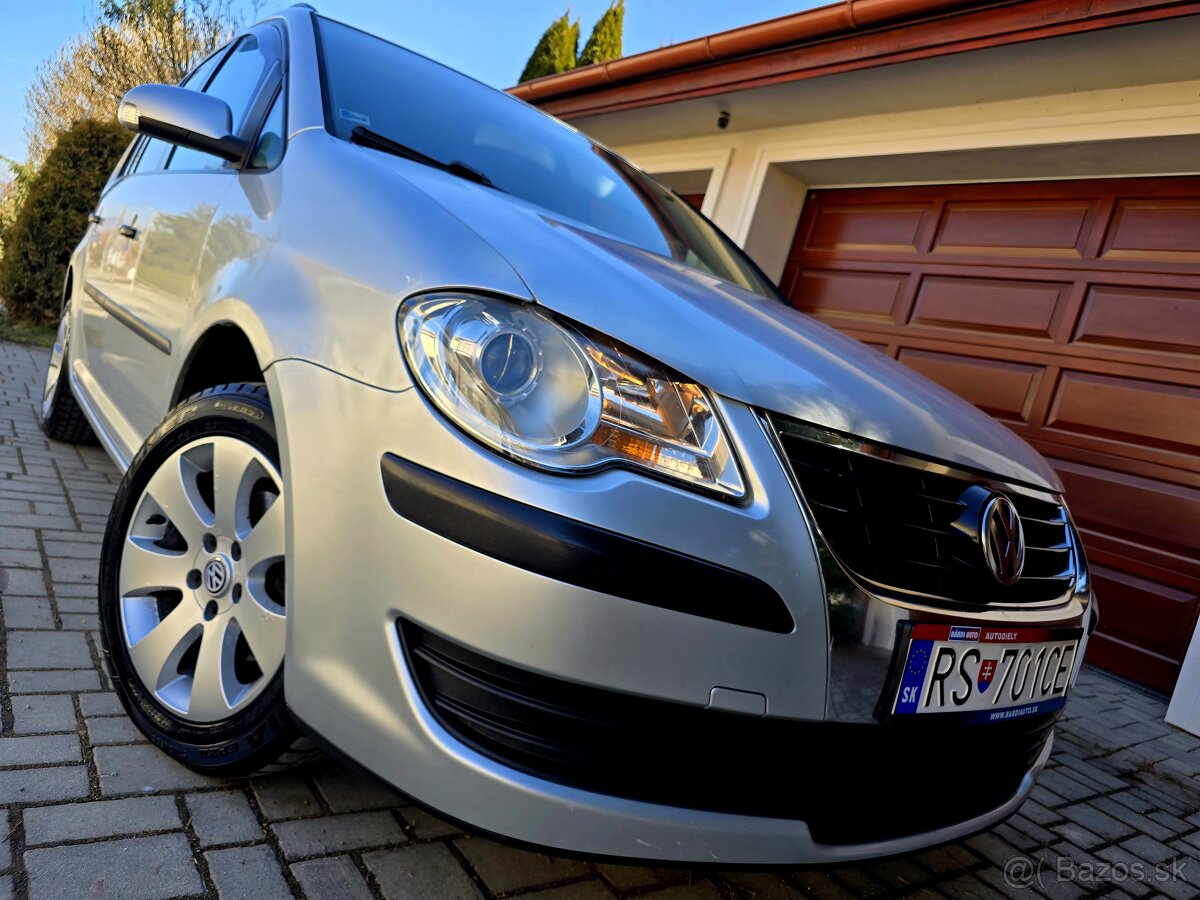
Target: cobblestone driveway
(91,810)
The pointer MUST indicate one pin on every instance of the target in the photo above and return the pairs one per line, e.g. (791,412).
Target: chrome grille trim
(1053,557)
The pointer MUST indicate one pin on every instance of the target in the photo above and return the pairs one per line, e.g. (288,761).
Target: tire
(62,419)
(192,602)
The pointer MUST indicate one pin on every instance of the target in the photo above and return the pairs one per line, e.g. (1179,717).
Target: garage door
(1071,312)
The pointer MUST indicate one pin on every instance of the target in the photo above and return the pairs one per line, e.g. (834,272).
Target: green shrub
(53,217)
(555,52)
(605,42)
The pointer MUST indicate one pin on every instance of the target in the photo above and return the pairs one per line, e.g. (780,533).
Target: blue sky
(489,39)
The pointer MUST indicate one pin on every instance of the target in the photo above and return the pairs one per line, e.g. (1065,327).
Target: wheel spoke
(146,567)
(214,672)
(167,490)
(266,539)
(265,632)
(230,461)
(156,656)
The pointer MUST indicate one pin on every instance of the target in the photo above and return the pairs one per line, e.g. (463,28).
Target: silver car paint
(311,261)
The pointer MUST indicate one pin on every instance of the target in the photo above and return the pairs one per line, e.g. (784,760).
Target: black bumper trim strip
(578,553)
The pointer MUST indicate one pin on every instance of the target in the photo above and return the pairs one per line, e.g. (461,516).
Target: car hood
(740,345)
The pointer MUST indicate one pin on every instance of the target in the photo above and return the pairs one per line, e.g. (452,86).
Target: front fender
(312,259)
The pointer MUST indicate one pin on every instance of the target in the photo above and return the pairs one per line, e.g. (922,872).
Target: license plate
(986,673)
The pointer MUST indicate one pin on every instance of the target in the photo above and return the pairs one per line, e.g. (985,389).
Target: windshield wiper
(376,141)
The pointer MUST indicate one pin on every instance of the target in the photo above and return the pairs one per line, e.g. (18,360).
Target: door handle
(94,219)
(128,231)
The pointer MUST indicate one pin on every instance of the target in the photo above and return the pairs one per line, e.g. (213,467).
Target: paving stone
(142,769)
(285,796)
(145,868)
(1136,821)
(505,868)
(100,705)
(48,650)
(21,582)
(337,834)
(629,878)
(1078,835)
(27,612)
(46,749)
(426,826)
(821,885)
(53,682)
(84,571)
(950,858)
(1148,849)
(67,549)
(223,817)
(113,730)
(71,589)
(1120,857)
(420,872)
(79,622)
(42,713)
(17,538)
(331,877)
(594,890)
(6,840)
(76,605)
(347,791)
(993,848)
(247,873)
(697,890)
(20,559)
(763,885)
(99,819)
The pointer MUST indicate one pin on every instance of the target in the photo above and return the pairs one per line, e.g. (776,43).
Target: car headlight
(561,398)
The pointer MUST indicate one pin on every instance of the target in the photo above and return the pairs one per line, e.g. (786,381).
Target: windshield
(450,118)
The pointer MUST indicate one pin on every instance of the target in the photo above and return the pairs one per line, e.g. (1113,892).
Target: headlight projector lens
(508,364)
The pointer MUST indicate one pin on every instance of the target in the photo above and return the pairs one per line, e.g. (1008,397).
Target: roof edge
(829,21)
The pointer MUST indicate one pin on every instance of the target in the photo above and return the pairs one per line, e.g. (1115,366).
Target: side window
(237,82)
(199,76)
(268,149)
(149,156)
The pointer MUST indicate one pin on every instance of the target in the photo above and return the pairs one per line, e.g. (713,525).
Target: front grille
(908,528)
(850,783)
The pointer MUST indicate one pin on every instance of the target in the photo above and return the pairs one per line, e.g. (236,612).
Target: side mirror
(180,116)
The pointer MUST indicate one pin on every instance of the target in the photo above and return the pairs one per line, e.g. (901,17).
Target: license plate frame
(990,641)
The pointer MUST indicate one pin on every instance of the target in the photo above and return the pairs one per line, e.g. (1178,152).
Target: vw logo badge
(1003,539)
(216,574)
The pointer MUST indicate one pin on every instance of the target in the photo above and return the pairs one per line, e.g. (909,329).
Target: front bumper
(359,571)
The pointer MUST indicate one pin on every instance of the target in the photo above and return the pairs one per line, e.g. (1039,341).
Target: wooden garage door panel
(1141,319)
(861,294)
(1156,617)
(1154,670)
(1149,413)
(1004,389)
(988,304)
(1158,514)
(1163,229)
(876,227)
(1071,311)
(1037,229)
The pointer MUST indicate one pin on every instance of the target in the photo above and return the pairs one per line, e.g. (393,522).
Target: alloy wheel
(54,370)
(201,579)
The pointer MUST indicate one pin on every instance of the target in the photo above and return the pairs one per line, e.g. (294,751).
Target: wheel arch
(222,354)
